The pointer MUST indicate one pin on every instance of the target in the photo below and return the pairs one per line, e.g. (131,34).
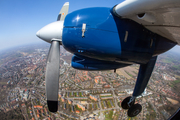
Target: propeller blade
(63,12)
(53,33)
(52,76)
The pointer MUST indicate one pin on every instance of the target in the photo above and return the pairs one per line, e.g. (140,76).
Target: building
(77,111)
(38,114)
(106,94)
(106,86)
(84,102)
(104,104)
(121,94)
(93,97)
(98,105)
(67,94)
(111,103)
(62,99)
(42,111)
(107,97)
(97,79)
(21,94)
(69,101)
(23,105)
(129,91)
(38,106)
(46,111)
(64,105)
(72,108)
(59,95)
(81,106)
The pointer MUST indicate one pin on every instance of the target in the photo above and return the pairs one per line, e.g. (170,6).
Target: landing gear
(133,109)
(126,104)
(144,74)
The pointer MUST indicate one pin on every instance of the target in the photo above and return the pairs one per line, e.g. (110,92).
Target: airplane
(101,38)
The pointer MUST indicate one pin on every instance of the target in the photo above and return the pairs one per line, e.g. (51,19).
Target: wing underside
(159,16)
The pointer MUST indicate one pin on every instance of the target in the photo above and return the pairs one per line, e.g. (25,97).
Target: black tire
(134,110)
(124,103)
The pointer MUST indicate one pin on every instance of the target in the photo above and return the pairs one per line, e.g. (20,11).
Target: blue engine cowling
(110,38)
(84,63)
(101,40)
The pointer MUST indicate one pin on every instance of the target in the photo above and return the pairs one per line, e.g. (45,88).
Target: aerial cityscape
(89,95)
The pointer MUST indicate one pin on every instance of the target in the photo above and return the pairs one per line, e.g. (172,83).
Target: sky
(21,19)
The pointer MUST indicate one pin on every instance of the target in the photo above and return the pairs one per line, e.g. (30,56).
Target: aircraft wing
(159,16)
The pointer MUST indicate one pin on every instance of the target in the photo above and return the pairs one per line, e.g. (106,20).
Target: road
(33,108)
(101,114)
(115,98)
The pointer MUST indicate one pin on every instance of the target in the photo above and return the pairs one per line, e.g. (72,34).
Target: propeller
(52,76)
(52,33)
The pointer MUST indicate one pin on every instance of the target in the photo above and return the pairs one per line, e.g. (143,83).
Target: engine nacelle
(83,63)
(99,34)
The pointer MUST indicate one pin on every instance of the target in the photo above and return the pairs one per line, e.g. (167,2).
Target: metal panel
(165,12)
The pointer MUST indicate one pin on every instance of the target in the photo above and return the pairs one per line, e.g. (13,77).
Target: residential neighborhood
(84,95)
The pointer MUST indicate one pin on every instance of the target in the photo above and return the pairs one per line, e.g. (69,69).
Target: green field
(109,115)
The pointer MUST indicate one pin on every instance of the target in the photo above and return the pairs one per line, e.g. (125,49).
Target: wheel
(124,103)
(134,110)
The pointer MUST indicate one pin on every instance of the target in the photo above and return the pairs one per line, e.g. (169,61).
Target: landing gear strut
(144,75)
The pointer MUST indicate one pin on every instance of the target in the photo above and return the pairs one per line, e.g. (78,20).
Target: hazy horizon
(175,49)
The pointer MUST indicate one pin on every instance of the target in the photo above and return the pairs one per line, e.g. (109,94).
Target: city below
(84,95)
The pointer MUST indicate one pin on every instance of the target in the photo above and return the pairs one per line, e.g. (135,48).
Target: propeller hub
(52,31)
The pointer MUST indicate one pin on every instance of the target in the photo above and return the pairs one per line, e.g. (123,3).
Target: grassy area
(77,108)
(106,96)
(80,94)
(129,74)
(119,104)
(37,102)
(95,106)
(116,115)
(177,76)
(102,104)
(3,83)
(173,83)
(90,106)
(29,76)
(176,67)
(133,118)
(109,104)
(109,115)
(168,60)
(81,99)
(150,116)
(176,81)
